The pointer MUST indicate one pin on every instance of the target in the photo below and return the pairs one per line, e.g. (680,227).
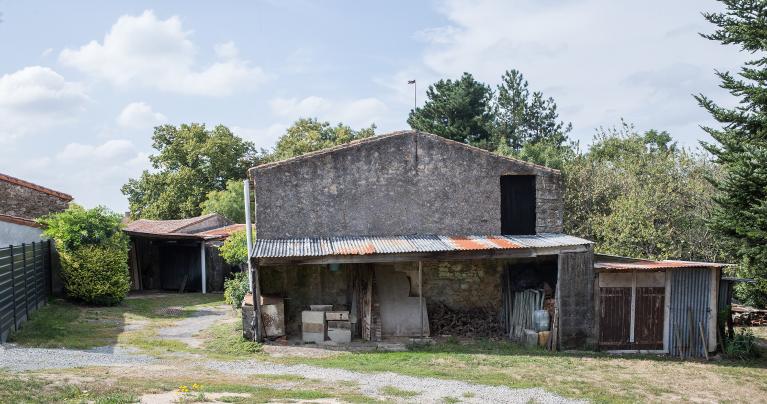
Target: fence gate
(24,283)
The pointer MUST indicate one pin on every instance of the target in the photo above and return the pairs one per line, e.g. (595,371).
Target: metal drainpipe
(248,233)
(420,294)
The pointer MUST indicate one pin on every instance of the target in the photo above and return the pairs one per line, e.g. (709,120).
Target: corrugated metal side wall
(690,291)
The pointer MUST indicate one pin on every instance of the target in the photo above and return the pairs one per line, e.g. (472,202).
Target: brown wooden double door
(615,322)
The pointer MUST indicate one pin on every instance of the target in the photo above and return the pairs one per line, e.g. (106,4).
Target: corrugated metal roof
(361,245)
(623,263)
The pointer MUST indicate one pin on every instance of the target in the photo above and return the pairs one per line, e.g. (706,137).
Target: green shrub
(235,289)
(78,226)
(94,253)
(235,250)
(743,345)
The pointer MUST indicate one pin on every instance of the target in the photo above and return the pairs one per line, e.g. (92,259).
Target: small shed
(657,306)
(179,255)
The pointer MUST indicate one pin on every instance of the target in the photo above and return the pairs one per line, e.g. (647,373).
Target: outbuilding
(414,235)
(179,255)
(21,202)
(659,306)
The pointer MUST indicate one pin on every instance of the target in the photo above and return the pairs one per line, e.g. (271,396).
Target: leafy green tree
(229,203)
(523,118)
(457,109)
(309,134)
(639,195)
(191,162)
(93,251)
(234,250)
(740,145)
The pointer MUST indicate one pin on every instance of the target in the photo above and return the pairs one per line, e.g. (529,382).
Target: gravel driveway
(186,329)
(425,389)
(429,389)
(17,358)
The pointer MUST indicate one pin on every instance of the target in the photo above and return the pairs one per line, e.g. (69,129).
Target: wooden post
(420,294)
(202,267)
(258,335)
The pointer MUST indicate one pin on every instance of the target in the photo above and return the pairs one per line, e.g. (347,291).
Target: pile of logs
(475,323)
(745,316)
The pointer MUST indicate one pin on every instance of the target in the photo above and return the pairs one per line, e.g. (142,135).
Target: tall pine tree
(741,142)
(456,109)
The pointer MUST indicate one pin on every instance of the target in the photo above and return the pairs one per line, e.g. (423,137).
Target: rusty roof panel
(628,264)
(360,245)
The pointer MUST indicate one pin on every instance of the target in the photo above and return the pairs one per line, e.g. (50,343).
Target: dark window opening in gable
(518,204)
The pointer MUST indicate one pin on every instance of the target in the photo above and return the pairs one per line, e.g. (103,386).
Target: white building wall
(15,234)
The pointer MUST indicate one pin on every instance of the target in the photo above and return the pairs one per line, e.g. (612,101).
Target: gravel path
(16,358)
(429,389)
(186,329)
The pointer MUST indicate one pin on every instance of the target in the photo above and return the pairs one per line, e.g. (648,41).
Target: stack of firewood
(483,323)
(748,316)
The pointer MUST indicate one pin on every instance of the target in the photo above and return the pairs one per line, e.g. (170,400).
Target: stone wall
(398,184)
(463,285)
(21,201)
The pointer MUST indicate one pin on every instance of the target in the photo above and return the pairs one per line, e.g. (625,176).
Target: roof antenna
(415,90)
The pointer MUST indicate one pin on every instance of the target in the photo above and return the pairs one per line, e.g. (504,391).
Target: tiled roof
(223,232)
(39,188)
(622,263)
(18,220)
(164,226)
(361,245)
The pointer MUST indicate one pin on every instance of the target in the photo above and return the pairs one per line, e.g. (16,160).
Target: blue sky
(82,83)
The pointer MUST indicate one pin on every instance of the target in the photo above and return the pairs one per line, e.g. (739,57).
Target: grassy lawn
(93,385)
(593,376)
(62,324)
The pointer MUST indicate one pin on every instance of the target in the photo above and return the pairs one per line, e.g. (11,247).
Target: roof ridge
(383,136)
(198,220)
(35,187)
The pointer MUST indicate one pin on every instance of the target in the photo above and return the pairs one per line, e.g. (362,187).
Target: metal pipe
(420,293)
(202,267)
(248,232)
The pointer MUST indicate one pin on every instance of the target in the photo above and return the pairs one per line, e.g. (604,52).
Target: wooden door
(615,317)
(648,328)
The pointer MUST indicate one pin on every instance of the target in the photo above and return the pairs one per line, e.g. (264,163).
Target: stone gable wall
(20,201)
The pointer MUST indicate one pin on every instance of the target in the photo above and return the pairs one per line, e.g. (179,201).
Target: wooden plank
(615,317)
(649,317)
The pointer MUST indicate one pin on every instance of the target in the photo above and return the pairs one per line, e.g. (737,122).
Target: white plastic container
(541,320)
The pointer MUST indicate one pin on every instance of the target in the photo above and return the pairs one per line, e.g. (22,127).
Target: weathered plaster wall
(577,328)
(12,233)
(411,183)
(16,200)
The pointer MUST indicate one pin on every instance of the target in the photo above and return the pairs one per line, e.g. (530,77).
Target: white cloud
(263,138)
(79,168)
(601,60)
(35,98)
(356,113)
(147,51)
(227,50)
(139,115)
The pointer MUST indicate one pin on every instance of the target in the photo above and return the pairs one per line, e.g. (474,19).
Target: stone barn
(415,235)
(21,202)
